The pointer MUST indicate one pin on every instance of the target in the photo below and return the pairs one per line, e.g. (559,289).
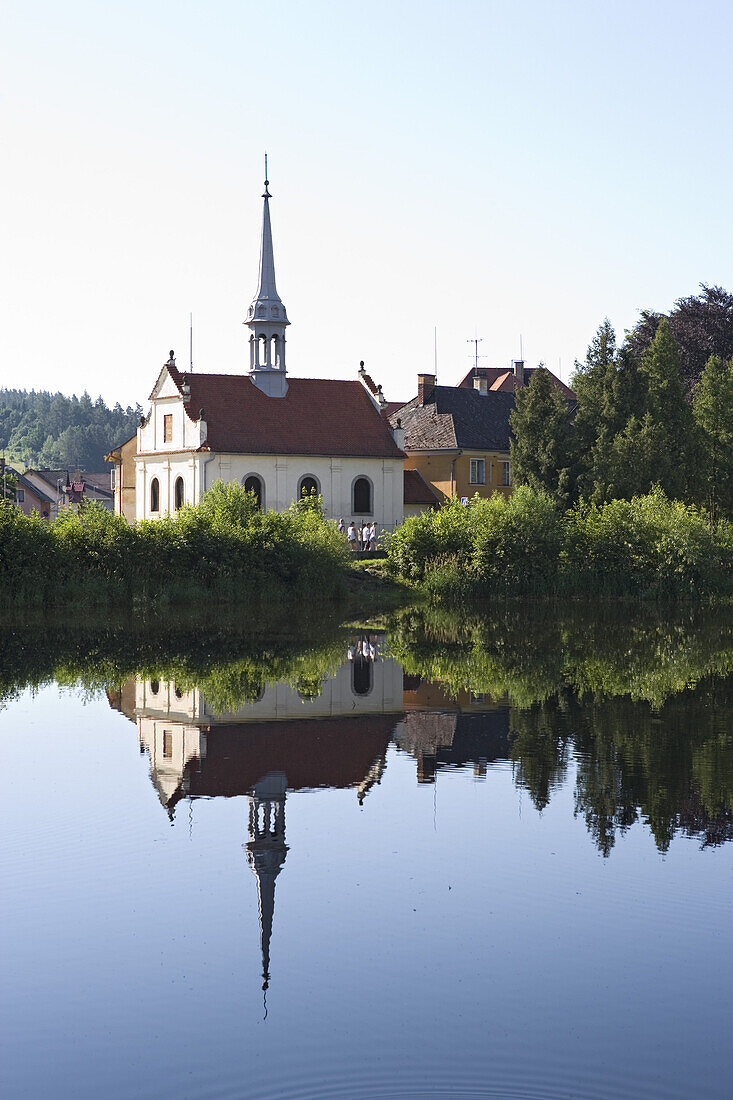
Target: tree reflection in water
(635,702)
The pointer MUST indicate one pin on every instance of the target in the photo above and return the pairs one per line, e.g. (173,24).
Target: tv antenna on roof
(476,341)
(190,343)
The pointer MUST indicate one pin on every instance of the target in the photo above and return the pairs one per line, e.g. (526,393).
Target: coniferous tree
(610,389)
(589,383)
(713,412)
(543,445)
(669,413)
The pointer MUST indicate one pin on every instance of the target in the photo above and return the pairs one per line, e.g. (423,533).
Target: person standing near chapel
(351,536)
(365,537)
(373,536)
(340,526)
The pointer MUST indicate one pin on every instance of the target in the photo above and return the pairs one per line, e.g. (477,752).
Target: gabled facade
(278,436)
(30,497)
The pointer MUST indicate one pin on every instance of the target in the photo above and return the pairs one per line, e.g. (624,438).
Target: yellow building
(458,438)
(123,478)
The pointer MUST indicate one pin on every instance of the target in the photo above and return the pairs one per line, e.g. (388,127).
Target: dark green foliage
(646,548)
(611,390)
(543,443)
(634,424)
(51,430)
(590,385)
(713,412)
(669,413)
(223,548)
(702,325)
(640,701)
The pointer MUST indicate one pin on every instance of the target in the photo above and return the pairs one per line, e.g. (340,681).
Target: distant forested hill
(49,429)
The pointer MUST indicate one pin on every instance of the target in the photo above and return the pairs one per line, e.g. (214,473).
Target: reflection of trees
(540,749)
(641,702)
(228,657)
(530,652)
(672,766)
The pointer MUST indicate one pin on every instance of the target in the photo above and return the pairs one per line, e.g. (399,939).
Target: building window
(20,496)
(507,474)
(308,485)
(154,495)
(154,686)
(167,744)
(478,471)
(362,496)
(362,675)
(168,428)
(179,493)
(253,484)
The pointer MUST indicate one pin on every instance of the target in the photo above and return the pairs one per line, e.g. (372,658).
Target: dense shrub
(649,547)
(224,546)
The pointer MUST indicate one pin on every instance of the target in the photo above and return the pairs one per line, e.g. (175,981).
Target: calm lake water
(487,858)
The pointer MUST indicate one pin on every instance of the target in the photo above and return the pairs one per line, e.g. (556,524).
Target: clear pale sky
(489,168)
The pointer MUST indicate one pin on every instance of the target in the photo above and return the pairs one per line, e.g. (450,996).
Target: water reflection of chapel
(287,740)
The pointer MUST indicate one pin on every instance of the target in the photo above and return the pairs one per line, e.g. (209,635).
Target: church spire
(267,317)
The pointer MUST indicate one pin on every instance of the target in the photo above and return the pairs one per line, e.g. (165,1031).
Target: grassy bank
(648,548)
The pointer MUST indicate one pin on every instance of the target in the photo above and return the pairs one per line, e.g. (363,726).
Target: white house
(278,436)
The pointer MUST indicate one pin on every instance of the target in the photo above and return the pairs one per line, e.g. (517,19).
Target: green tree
(589,383)
(713,411)
(702,325)
(670,414)
(543,444)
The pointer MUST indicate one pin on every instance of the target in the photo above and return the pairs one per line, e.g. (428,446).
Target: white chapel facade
(279,436)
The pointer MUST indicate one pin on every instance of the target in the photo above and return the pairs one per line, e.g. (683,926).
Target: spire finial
(267,194)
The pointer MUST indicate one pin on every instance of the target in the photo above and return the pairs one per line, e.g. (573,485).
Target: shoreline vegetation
(647,548)
(226,551)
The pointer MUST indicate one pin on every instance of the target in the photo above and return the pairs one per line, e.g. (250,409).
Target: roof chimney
(480,383)
(425,387)
(518,368)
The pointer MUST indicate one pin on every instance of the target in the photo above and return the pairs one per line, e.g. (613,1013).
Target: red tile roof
(417,490)
(315,752)
(499,378)
(317,416)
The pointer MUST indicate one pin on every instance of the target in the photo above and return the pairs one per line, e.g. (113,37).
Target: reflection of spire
(374,775)
(266,851)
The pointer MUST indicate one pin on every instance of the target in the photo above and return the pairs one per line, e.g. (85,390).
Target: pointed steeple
(266,293)
(267,317)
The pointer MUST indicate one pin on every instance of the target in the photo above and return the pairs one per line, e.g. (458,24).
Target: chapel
(277,435)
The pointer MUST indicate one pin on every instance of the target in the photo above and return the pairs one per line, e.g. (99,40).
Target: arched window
(362,496)
(253,484)
(179,493)
(362,675)
(154,685)
(308,485)
(154,495)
